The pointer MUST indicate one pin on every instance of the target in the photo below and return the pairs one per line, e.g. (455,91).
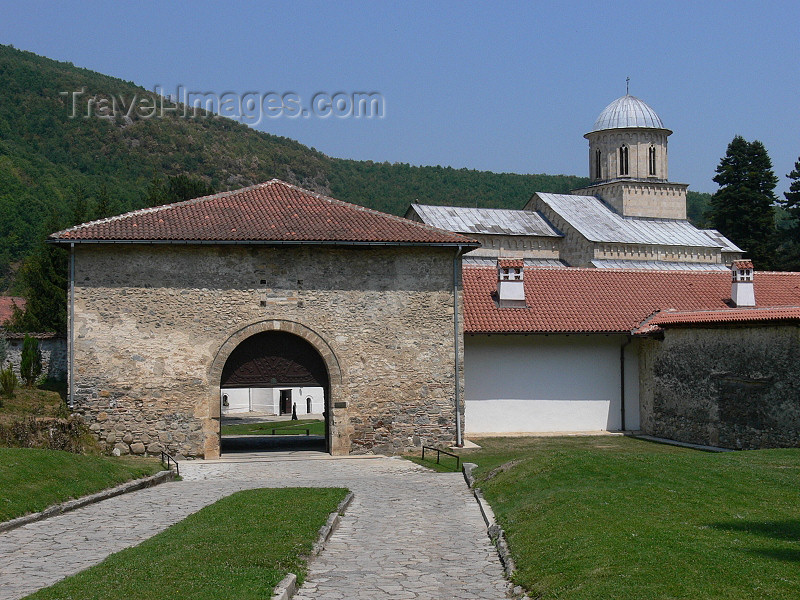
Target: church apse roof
(598,223)
(485,221)
(271,212)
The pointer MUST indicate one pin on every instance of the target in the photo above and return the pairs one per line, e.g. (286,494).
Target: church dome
(625,112)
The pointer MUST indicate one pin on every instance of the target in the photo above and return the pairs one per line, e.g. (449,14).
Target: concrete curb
(467,469)
(57,509)
(660,440)
(331,525)
(496,534)
(493,530)
(286,588)
(288,585)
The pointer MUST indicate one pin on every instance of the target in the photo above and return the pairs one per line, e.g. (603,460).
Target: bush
(70,435)
(3,349)
(8,382)
(30,366)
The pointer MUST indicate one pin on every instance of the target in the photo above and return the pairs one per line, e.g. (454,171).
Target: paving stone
(409,534)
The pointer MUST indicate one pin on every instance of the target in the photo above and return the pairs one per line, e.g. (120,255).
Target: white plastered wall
(267,400)
(548,383)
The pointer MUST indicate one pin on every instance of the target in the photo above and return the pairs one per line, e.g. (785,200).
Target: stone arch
(338,443)
(298,329)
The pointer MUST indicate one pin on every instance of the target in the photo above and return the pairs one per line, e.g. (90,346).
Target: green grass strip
(613,517)
(315,427)
(32,479)
(238,548)
(447,464)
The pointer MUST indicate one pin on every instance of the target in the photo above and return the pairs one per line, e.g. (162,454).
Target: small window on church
(652,156)
(597,170)
(623,160)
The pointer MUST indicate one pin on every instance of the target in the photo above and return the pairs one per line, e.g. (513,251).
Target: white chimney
(742,293)
(510,283)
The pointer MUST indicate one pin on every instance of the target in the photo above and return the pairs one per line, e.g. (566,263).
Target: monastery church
(604,309)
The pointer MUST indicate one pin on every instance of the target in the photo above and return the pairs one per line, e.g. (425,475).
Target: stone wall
(155,324)
(655,199)
(54,353)
(735,387)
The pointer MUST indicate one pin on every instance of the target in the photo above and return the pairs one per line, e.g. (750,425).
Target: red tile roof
(7,307)
(269,212)
(744,263)
(511,263)
(730,315)
(606,300)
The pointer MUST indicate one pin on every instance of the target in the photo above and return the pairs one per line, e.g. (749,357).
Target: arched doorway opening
(274,395)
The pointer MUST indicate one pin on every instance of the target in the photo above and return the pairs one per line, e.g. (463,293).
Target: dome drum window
(623,160)
(651,154)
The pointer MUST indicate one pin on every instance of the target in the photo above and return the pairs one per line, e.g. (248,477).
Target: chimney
(510,284)
(742,293)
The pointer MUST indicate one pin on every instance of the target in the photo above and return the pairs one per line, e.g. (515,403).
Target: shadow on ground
(232,444)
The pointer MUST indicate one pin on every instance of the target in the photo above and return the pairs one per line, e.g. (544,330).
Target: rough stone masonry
(154,324)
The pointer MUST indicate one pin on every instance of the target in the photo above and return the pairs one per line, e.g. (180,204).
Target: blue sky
(507,87)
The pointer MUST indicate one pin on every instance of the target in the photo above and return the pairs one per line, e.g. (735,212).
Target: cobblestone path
(408,534)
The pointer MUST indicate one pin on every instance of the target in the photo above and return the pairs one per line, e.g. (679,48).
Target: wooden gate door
(286,402)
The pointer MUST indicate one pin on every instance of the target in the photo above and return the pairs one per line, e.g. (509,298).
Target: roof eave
(67,241)
(550,332)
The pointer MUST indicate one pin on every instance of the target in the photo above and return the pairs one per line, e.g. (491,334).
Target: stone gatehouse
(162,297)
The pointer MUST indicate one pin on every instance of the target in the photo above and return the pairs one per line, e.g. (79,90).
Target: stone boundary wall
(54,353)
(154,325)
(733,387)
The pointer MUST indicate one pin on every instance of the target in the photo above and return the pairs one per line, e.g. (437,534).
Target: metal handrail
(439,452)
(167,460)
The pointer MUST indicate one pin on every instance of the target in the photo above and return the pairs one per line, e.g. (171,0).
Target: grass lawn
(614,517)
(446,464)
(45,401)
(238,548)
(32,479)
(315,427)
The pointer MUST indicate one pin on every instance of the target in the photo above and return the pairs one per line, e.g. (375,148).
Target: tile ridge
(154,209)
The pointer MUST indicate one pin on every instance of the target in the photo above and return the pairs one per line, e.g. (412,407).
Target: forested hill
(60,170)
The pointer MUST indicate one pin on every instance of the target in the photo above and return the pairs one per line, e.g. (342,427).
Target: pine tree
(44,276)
(156,192)
(789,231)
(791,202)
(743,206)
(79,207)
(30,366)
(184,187)
(103,208)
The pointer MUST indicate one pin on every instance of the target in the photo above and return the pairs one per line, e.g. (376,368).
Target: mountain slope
(51,163)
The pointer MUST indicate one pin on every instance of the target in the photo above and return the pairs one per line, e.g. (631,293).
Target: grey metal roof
(490,261)
(599,223)
(628,111)
(490,221)
(657,265)
(727,245)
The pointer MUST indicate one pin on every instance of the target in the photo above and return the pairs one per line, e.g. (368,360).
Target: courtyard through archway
(274,396)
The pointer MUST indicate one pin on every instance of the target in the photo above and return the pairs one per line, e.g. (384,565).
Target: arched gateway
(268,357)
(267,374)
